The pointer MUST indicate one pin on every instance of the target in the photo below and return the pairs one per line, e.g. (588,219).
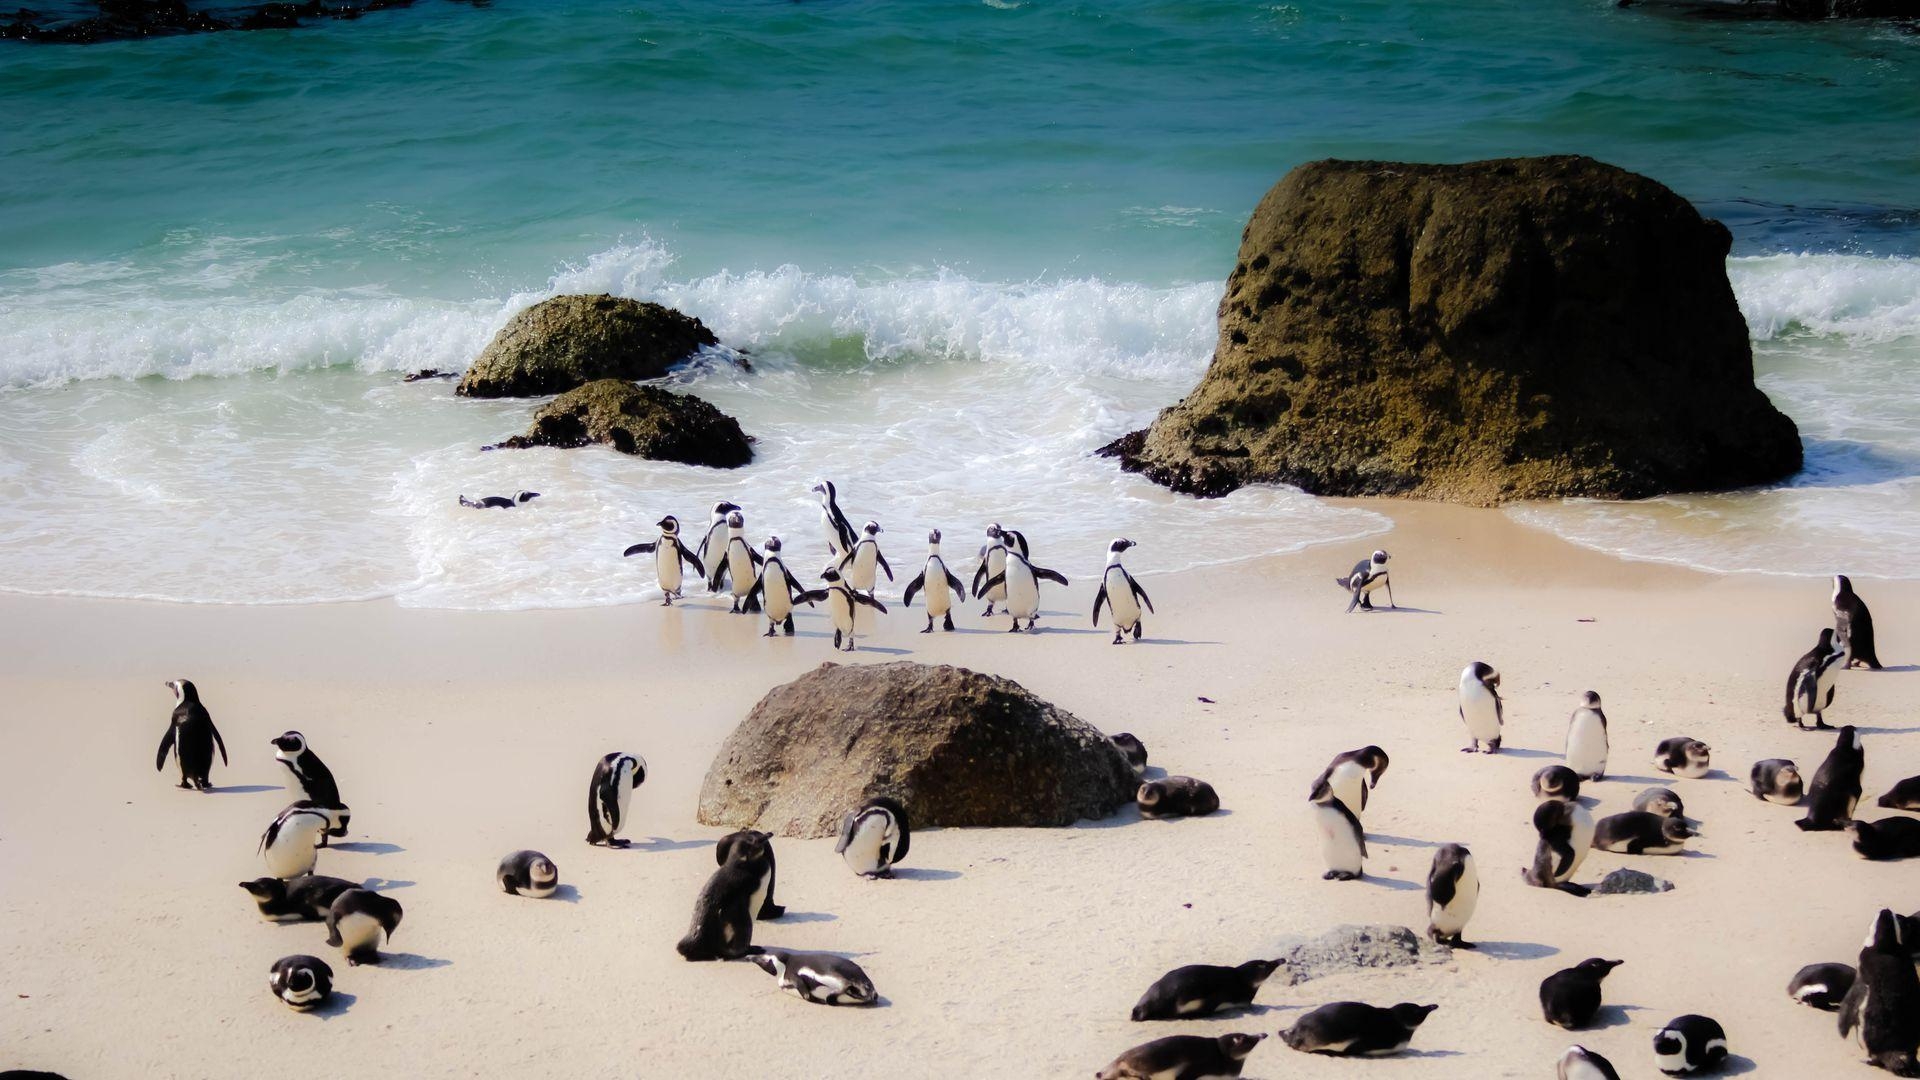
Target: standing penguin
(842,602)
(714,541)
(1580,1063)
(858,566)
(1836,785)
(723,913)
(191,736)
(1565,835)
(775,591)
(1570,997)
(1691,1044)
(1353,775)
(1022,580)
(1777,780)
(1587,739)
(608,793)
(289,842)
(1480,707)
(668,554)
(738,566)
(1122,595)
(302,982)
(1683,757)
(840,536)
(1881,1012)
(1853,625)
(1368,575)
(313,777)
(993,564)
(1184,1057)
(874,838)
(357,922)
(938,581)
(1343,843)
(722,851)
(1811,683)
(1453,891)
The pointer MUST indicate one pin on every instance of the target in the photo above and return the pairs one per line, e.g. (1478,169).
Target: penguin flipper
(906,598)
(692,560)
(1042,573)
(868,599)
(1139,593)
(846,833)
(979,575)
(759,589)
(1098,599)
(639,549)
(993,582)
(217,740)
(166,744)
(882,560)
(811,596)
(954,584)
(757,558)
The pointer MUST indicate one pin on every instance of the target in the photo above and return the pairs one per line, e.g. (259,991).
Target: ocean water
(966,243)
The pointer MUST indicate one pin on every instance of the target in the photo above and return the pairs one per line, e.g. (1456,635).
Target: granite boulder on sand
(644,421)
(567,341)
(954,746)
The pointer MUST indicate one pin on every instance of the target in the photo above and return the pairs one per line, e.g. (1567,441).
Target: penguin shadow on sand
(566,894)
(1398,841)
(1516,950)
(1613,1016)
(337,1004)
(924,873)
(791,916)
(1393,883)
(1526,752)
(406,961)
(244,789)
(654,845)
(368,847)
(381,884)
(1736,1065)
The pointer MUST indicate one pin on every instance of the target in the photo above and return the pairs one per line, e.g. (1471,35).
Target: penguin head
(183,691)
(772,545)
(1597,967)
(1374,760)
(824,489)
(1258,971)
(1149,794)
(1841,586)
(1698,751)
(291,742)
(1484,672)
(1119,545)
(1850,739)
(1675,829)
(772,963)
(831,575)
(300,980)
(265,889)
(722,508)
(872,528)
(541,871)
(1590,700)
(993,531)
(634,762)
(1411,1016)
(933,537)
(1237,1045)
(524,497)
(749,845)
(1826,638)
(1381,556)
(669,525)
(736,520)
(1669,1043)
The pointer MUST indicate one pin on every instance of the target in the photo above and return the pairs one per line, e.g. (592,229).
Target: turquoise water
(987,233)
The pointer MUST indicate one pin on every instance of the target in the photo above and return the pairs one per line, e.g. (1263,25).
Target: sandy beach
(126,950)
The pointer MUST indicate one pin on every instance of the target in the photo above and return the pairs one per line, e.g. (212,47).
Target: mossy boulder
(569,341)
(644,421)
(1477,333)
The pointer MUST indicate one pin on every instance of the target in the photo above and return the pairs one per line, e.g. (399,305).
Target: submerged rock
(121,20)
(644,421)
(954,746)
(1347,949)
(1625,882)
(569,341)
(1477,333)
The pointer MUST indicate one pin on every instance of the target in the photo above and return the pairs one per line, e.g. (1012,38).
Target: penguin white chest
(939,597)
(1587,745)
(861,568)
(1581,840)
(739,568)
(1349,783)
(359,931)
(666,565)
(1120,599)
(778,600)
(1023,590)
(759,895)
(1454,917)
(1339,845)
(864,850)
(1479,709)
(997,566)
(840,607)
(292,851)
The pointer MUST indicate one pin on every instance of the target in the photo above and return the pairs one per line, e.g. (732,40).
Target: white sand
(127,951)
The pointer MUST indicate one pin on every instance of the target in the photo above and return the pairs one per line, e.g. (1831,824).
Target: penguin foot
(929,628)
(769,632)
(988,612)
(618,842)
(1470,748)
(1571,889)
(668,602)
(1117,639)
(1015,628)
(184,786)
(947,623)
(1340,875)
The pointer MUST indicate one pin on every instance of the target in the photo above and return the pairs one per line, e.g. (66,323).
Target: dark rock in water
(1355,948)
(1499,330)
(568,341)
(1625,882)
(428,373)
(954,746)
(644,421)
(121,20)
(1849,9)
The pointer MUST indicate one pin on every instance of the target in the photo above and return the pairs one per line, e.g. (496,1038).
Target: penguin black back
(1569,998)
(1836,785)
(723,914)
(1203,989)
(1853,624)
(191,737)
(724,849)
(1881,1011)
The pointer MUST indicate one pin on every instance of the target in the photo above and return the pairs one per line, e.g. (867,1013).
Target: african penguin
(615,776)
(1888,838)
(738,566)
(861,565)
(1580,1063)
(1566,835)
(1343,843)
(1202,990)
(289,842)
(723,913)
(840,535)
(769,909)
(1821,986)
(1904,795)
(1022,580)
(1683,757)
(1556,782)
(843,602)
(1638,832)
(1121,594)
(1368,574)
(1480,707)
(1662,801)
(1853,625)
(1691,1044)
(1453,891)
(1811,683)
(775,591)
(819,978)
(191,736)
(1570,997)
(1133,749)
(874,838)
(1777,780)
(313,777)
(1355,1029)
(940,586)
(1836,784)
(357,922)
(1586,751)
(302,982)
(1881,1011)
(1353,776)
(993,564)
(713,543)
(499,502)
(668,553)
(305,898)
(528,873)
(1183,1057)
(1176,796)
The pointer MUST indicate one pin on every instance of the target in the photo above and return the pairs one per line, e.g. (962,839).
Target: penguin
(358,920)
(1566,835)
(1692,1044)
(993,564)
(1343,843)
(1183,1057)
(938,582)
(1811,683)
(858,566)
(1853,625)
(1570,997)
(713,542)
(1176,796)
(305,898)
(312,776)
(614,777)
(1354,1029)
(1904,795)
(528,873)
(1683,757)
(1777,780)
(874,838)
(819,978)
(1821,986)
(840,535)
(1022,580)
(668,553)
(289,842)
(1881,1010)
(1133,749)
(1638,832)
(776,592)
(843,601)
(1580,1063)
(738,566)
(499,502)
(191,736)
(1453,891)
(1556,782)
(302,982)
(1662,801)
(1353,775)
(1480,707)
(1836,784)
(723,914)
(1888,838)
(1368,575)
(769,909)
(1202,990)
(1122,595)
(1586,751)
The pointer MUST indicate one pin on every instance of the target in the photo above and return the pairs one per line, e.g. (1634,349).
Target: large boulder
(1498,330)
(568,341)
(644,421)
(954,746)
